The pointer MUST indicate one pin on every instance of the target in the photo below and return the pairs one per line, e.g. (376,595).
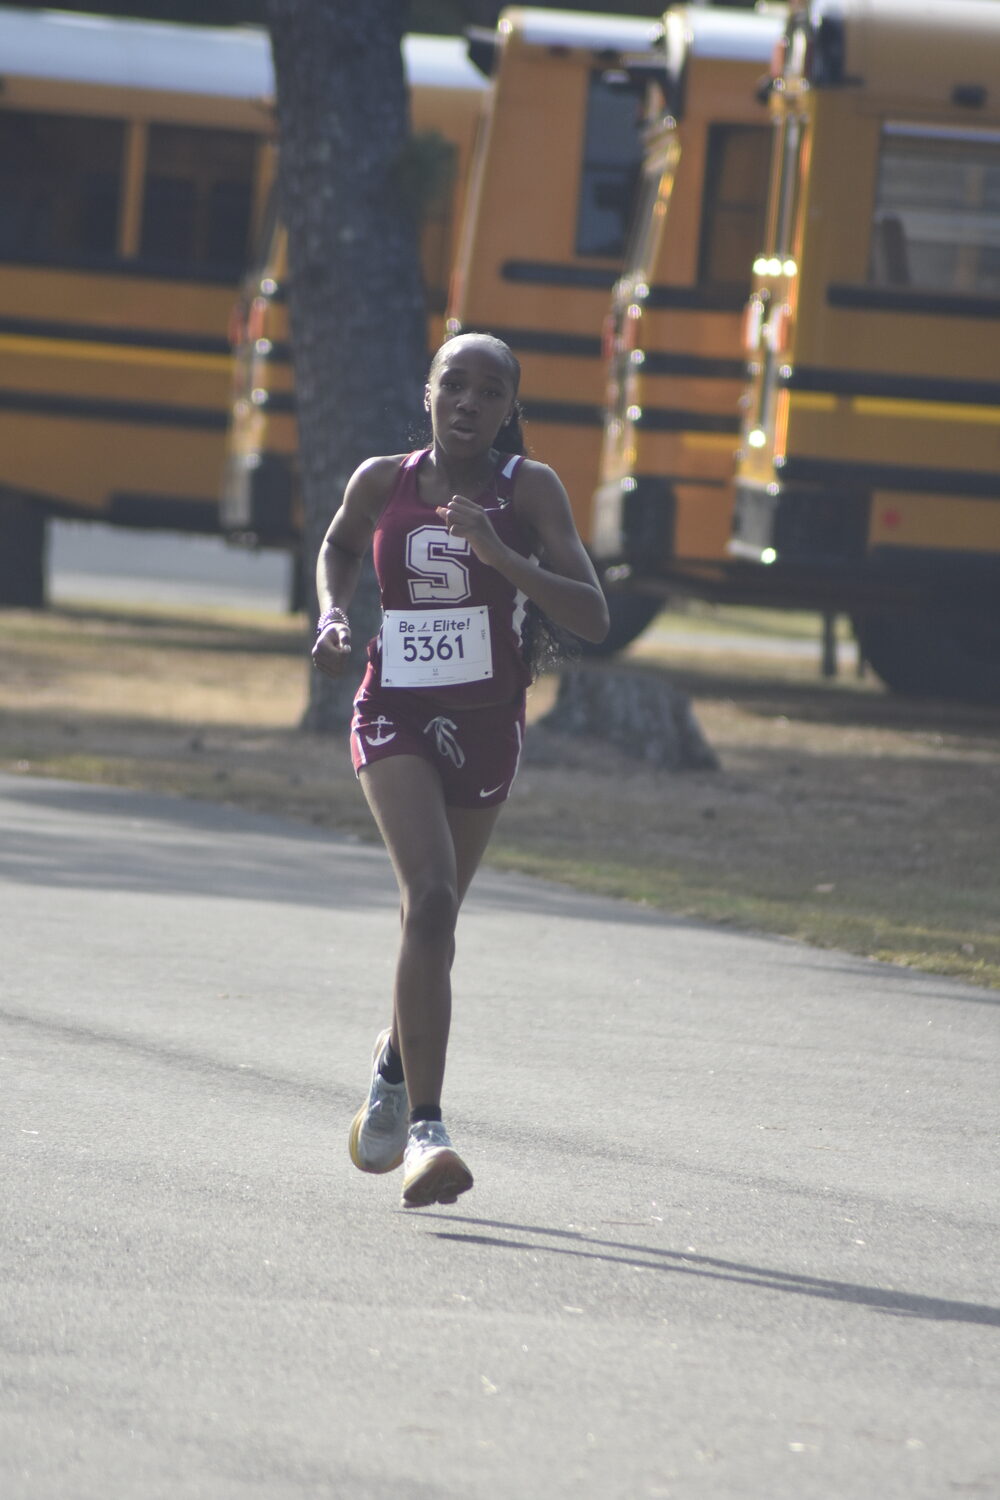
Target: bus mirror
(255,320)
(753,318)
(608,337)
(236,330)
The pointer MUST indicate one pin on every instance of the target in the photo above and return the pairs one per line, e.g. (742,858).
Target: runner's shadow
(681,1263)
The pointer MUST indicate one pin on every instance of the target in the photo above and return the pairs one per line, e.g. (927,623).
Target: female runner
(460,530)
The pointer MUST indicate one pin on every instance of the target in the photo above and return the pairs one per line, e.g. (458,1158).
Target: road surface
(733,1234)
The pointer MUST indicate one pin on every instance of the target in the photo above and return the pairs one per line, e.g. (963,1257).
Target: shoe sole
(352,1146)
(440,1180)
(359,1119)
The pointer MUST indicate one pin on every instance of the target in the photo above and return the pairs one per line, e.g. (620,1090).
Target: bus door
(674,361)
(548,211)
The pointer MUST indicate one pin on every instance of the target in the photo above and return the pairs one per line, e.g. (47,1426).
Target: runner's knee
(431,911)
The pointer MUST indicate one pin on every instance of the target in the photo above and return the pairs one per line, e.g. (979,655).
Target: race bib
(435,647)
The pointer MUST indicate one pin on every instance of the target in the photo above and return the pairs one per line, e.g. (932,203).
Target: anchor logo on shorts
(381,723)
(444,738)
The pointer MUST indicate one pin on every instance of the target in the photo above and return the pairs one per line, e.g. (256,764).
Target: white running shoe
(433,1171)
(378,1130)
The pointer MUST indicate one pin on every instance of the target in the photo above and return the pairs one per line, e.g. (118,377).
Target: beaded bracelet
(332,616)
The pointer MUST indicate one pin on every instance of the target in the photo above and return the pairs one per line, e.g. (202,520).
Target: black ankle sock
(425,1112)
(390,1064)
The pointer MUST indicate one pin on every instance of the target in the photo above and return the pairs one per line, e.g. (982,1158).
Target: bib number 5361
(433,647)
(427,648)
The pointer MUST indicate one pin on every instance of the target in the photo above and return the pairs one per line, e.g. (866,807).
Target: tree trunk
(639,712)
(356,303)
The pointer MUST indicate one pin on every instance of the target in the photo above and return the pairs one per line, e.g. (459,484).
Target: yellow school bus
(674,362)
(134,162)
(548,210)
(868,472)
(261,501)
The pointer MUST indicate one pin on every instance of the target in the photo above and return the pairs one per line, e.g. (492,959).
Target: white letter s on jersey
(431,552)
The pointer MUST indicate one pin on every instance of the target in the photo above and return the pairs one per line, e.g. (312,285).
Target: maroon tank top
(439,600)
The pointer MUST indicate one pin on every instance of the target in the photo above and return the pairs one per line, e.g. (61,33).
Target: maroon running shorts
(475,751)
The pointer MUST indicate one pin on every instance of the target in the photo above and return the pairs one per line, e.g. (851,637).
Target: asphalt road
(734,1229)
(90,562)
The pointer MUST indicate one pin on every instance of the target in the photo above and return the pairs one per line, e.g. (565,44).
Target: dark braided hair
(545,644)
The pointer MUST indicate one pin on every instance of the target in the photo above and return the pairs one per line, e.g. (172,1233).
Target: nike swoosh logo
(489,791)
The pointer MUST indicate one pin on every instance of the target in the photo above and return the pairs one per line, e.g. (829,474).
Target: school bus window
(197,199)
(612,162)
(437,159)
(937,210)
(60,186)
(734,203)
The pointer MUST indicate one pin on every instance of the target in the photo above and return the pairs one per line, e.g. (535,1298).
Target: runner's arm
(566,588)
(338,565)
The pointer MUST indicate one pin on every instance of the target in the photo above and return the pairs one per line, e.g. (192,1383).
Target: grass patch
(841,817)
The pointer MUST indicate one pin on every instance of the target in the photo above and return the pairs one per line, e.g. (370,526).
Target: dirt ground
(839,815)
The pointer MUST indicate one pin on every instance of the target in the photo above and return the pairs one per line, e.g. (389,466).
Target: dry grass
(840,816)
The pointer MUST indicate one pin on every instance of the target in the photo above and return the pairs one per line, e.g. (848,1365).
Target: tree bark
(356,300)
(637,711)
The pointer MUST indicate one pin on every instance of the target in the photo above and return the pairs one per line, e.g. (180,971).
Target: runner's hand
(332,651)
(466,519)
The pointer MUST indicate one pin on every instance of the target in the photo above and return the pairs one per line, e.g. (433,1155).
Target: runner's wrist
(332,616)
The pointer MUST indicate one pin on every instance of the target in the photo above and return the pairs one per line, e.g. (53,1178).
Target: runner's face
(471,395)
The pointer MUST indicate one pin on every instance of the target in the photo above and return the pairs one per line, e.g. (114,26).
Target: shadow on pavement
(898,1304)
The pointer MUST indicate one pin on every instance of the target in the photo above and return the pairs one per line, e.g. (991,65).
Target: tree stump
(638,712)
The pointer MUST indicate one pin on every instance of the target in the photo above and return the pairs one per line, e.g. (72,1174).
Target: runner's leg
(434,852)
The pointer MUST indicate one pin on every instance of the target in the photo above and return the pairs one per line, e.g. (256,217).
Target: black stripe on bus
(903,387)
(910,300)
(653,419)
(435,297)
(563,413)
(97,333)
(698,366)
(724,299)
(140,413)
(843,474)
(534,341)
(676,419)
(133,338)
(556,273)
(585,346)
(594,278)
(109,265)
(282,403)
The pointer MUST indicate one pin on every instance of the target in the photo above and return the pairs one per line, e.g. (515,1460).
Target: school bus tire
(934,653)
(22,553)
(630,614)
